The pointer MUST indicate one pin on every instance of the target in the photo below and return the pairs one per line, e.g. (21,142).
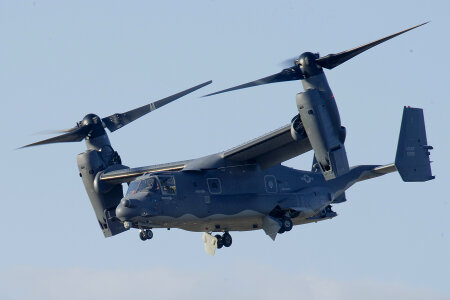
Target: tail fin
(412,159)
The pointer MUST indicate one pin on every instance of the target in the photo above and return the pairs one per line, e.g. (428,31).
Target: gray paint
(104,201)
(244,188)
(412,159)
(320,118)
(245,200)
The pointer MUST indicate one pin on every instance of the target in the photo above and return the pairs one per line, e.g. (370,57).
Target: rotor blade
(117,121)
(333,60)
(288,62)
(76,135)
(51,131)
(287,74)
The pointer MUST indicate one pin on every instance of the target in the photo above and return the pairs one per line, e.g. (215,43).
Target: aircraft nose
(128,209)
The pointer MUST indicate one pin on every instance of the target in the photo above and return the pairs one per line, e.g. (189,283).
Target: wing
(266,151)
(270,149)
(129,174)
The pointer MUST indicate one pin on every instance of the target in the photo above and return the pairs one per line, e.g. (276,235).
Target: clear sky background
(60,60)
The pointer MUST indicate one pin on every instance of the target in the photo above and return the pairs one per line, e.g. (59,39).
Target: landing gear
(227,240)
(327,210)
(286,225)
(142,235)
(145,234)
(223,240)
(284,218)
(219,241)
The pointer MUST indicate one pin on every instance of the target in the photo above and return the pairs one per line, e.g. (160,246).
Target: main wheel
(287,224)
(226,239)
(219,241)
(142,235)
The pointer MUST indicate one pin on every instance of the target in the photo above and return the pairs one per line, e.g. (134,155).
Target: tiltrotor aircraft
(246,187)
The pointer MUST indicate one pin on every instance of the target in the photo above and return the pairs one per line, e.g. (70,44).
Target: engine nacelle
(298,132)
(322,126)
(104,198)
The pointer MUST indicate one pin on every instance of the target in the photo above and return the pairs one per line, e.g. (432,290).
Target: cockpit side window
(154,185)
(168,186)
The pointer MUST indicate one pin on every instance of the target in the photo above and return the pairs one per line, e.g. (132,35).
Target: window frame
(161,186)
(266,180)
(209,182)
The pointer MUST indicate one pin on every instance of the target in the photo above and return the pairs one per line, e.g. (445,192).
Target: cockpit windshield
(149,185)
(133,187)
(146,185)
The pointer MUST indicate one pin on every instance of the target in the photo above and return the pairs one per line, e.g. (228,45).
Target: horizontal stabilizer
(412,159)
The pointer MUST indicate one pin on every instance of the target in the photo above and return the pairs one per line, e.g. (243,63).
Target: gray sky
(60,61)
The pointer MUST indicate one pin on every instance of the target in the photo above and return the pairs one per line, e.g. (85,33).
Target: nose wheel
(226,239)
(219,241)
(223,240)
(145,234)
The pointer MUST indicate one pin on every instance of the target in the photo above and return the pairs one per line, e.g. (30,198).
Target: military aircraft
(246,187)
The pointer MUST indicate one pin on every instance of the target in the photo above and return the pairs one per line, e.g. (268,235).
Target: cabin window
(168,186)
(214,185)
(271,183)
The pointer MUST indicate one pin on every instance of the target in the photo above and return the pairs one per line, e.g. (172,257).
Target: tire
(227,240)
(287,224)
(143,235)
(148,234)
(219,241)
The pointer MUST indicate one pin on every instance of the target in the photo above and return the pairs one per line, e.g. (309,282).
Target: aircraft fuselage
(225,199)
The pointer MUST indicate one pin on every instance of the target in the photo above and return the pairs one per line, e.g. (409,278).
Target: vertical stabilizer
(412,159)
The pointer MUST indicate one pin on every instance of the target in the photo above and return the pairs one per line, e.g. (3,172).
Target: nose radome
(129,209)
(125,213)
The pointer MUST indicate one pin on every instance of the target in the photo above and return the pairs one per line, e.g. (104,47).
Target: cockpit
(164,184)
